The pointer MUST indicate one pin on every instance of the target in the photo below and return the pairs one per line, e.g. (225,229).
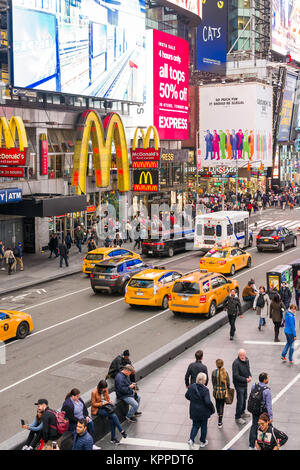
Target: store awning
(45,205)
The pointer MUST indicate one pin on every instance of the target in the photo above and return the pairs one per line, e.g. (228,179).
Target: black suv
(112,275)
(275,238)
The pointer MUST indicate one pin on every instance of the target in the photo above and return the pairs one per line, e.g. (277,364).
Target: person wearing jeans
(241,376)
(266,406)
(125,390)
(201,408)
(101,403)
(290,333)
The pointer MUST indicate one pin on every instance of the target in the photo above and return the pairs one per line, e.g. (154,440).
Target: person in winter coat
(49,429)
(63,252)
(201,408)
(232,305)
(53,245)
(268,437)
(79,236)
(10,260)
(265,406)
(277,309)
(69,240)
(241,376)
(75,410)
(194,369)
(18,252)
(118,364)
(285,294)
(249,293)
(262,305)
(290,333)
(35,433)
(126,391)
(91,244)
(221,383)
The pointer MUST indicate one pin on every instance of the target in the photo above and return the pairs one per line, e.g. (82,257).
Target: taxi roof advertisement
(87,48)
(236,125)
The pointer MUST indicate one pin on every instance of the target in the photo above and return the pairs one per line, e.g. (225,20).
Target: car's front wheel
(165,302)
(23,330)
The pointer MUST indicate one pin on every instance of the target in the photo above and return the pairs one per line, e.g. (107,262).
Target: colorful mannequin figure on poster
(216,145)
(240,137)
(209,144)
(222,143)
(228,145)
(246,145)
(234,141)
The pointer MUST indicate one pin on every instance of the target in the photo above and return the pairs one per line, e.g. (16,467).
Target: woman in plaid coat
(221,383)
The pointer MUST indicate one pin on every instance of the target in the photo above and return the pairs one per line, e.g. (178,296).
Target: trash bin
(277,276)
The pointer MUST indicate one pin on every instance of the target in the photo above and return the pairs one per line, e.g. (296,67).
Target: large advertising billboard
(236,125)
(286,27)
(192,8)
(170,86)
(212,38)
(88,48)
(286,114)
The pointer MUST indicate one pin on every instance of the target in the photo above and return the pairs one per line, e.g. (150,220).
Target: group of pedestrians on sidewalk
(262,436)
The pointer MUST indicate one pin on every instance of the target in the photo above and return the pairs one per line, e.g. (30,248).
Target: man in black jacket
(63,251)
(241,376)
(232,305)
(285,294)
(50,432)
(118,364)
(194,369)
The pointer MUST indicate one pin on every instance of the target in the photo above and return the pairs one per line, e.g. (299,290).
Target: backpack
(255,400)
(260,301)
(62,423)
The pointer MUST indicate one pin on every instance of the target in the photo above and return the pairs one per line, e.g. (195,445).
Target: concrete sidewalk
(165,422)
(38,268)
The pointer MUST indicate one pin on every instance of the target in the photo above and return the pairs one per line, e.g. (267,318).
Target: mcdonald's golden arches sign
(13,145)
(146,180)
(102,135)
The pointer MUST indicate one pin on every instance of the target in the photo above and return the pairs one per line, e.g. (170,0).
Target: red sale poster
(170,86)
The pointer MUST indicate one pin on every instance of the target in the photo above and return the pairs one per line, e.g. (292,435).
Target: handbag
(229,396)
(109,408)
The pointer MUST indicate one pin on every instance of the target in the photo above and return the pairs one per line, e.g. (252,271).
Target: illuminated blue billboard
(212,38)
(88,48)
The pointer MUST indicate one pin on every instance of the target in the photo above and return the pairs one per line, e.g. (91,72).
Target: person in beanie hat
(118,364)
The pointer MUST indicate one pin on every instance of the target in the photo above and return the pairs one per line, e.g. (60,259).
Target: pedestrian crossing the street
(288,223)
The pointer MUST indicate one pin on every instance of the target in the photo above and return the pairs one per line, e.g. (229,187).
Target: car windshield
(141,283)
(105,269)
(268,232)
(94,256)
(216,254)
(186,288)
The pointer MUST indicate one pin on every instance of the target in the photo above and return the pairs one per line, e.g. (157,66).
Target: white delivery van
(222,229)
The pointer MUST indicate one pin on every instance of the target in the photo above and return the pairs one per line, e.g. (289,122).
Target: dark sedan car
(275,238)
(112,275)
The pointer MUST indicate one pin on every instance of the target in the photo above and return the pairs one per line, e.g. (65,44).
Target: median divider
(143,368)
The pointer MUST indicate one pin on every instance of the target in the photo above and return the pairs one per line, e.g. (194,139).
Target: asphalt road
(78,333)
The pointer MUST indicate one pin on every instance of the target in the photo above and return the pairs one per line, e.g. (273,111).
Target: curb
(143,368)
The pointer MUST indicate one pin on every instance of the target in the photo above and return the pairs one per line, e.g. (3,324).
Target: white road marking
(132,441)
(88,288)
(265,343)
(83,351)
(248,426)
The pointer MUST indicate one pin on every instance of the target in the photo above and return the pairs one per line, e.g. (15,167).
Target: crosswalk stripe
(133,441)
(292,224)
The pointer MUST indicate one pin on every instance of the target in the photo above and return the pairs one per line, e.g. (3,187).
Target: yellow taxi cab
(100,254)
(151,287)
(14,324)
(225,260)
(200,292)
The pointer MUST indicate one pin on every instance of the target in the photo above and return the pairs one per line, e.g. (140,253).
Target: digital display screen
(90,48)
(285,27)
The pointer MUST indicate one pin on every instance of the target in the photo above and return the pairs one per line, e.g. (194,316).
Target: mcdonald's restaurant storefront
(172,181)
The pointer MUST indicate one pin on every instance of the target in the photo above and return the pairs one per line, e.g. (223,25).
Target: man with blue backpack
(18,254)
(260,401)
